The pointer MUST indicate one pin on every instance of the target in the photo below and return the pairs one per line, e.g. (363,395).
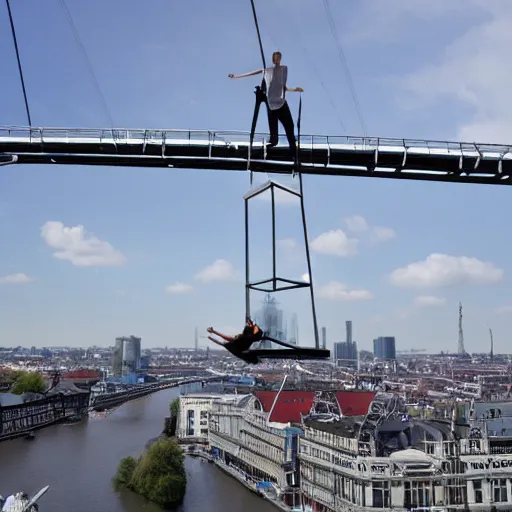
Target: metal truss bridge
(319,155)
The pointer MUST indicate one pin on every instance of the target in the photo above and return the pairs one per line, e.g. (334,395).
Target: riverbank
(109,400)
(23,419)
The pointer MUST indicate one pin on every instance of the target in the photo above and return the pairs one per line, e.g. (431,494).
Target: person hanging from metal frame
(275,98)
(240,344)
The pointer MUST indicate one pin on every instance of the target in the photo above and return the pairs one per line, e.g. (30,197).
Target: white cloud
(429,301)
(339,291)
(82,250)
(440,270)
(178,288)
(15,279)
(335,243)
(471,71)
(220,270)
(357,224)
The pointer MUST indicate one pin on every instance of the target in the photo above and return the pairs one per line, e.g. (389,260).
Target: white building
(410,464)
(254,438)
(192,422)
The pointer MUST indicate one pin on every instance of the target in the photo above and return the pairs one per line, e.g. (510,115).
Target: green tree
(174,407)
(159,475)
(124,472)
(29,382)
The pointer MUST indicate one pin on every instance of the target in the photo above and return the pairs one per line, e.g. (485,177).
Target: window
(190,422)
(380,492)
(456,491)
(499,490)
(477,487)
(417,494)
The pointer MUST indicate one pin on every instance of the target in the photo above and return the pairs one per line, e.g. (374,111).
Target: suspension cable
(311,63)
(344,64)
(87,61)
(258,32)
(20,69)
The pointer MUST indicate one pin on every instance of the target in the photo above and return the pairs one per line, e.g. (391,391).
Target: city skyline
(90,252)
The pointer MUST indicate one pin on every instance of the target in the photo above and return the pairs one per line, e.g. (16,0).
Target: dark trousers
(284,115)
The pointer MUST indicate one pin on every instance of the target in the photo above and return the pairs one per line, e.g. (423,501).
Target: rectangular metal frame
(289,284)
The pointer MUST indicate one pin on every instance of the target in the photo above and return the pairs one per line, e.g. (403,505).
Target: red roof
(290,404)
(354,403)
(82,373)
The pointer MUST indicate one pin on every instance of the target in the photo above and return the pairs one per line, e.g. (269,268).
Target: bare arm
(223,336)
(251,73)
(294,89)
(217,342)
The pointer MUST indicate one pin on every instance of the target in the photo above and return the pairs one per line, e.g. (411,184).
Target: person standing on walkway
(277,107)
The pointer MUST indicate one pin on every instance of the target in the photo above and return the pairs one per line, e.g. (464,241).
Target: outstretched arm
(294,89)
(211,330)
(217,342)
(251,73)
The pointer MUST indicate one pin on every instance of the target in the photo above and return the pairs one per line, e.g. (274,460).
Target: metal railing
(140,136)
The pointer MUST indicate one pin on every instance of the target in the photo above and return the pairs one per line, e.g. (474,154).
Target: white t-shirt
(275,79)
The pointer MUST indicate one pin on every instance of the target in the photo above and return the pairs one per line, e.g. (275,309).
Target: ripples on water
(79,460)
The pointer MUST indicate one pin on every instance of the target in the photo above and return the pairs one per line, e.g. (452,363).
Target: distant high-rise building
(270,319)
(384,347)
(348,327)
(324,337)
(345,353)
(127,353)
(294,330)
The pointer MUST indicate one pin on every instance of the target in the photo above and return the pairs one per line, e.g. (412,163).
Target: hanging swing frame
(276,283)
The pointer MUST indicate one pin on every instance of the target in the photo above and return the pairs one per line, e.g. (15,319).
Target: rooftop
(346,427)
(289,407)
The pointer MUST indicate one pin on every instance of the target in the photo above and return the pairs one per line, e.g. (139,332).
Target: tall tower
(348,326)
(196,340)
(324,337)
(492,345)
(461,332)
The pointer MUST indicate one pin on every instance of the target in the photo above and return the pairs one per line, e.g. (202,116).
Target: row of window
(266,450)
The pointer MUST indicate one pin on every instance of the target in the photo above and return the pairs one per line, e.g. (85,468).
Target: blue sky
(436,71)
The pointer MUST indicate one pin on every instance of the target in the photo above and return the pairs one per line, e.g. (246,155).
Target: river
(79,460)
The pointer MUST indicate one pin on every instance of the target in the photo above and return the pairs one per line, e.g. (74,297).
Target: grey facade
(384,347)
(127,355)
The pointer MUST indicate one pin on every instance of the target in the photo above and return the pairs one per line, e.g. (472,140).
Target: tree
(124,472)
(159,475)
(29,382)
(174,407)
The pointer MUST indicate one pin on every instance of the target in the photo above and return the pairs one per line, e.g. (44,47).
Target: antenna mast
(462,350)
(492,345)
